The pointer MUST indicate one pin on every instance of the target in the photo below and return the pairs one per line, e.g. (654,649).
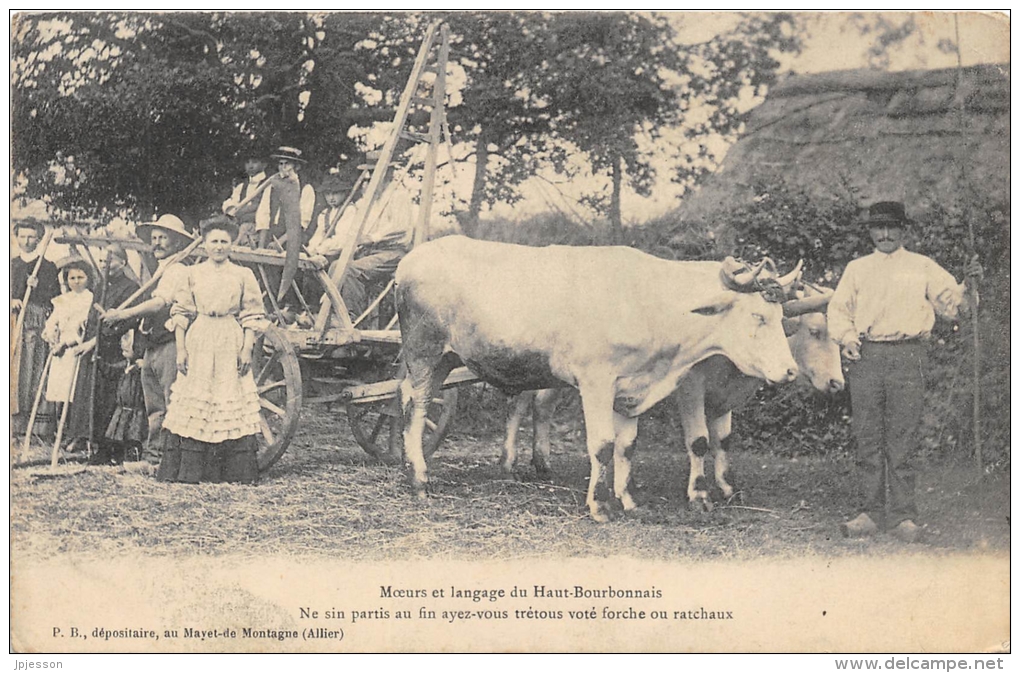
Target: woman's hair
(228,227)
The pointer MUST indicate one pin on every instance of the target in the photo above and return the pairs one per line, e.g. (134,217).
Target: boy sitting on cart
(384,241)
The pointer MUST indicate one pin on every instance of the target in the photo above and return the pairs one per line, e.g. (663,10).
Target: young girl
(65,328)
(129,425)
(213,416)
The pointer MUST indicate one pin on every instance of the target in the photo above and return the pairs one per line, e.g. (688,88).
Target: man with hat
(383,242)
(330,220)
(250,216)
(882,314)
(166,236)
(286,198)
(31,358)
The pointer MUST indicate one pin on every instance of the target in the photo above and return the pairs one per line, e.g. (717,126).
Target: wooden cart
(337,361)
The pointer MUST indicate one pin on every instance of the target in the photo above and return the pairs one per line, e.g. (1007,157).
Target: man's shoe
(907,531)
(862,526)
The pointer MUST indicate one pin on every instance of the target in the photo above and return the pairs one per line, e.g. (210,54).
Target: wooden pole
(94,359)
(375,184)
(19,325)
(35,405)
(63,414)
(971,283)
(159,274)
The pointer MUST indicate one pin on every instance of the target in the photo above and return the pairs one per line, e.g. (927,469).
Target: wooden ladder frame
(437,124)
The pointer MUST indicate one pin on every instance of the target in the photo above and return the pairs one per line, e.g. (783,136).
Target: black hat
(253,155)
(885,214)
(334,184)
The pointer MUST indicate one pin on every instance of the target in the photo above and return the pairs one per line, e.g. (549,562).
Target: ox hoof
(603,513)
(634,512)
(700,503)
(628,504)
(542,470)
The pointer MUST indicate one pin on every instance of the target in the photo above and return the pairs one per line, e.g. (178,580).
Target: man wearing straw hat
(26,369)
(167,236)
(882,314)
(283,203)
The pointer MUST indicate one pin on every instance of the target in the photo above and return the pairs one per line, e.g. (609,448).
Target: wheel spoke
(377,429)
(266,367)
(266,404)
(395,434)
(267,432)
(271,386)
(431,424)
(438,400)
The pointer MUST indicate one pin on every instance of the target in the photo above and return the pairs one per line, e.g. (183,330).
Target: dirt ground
(327,496)
(109,547)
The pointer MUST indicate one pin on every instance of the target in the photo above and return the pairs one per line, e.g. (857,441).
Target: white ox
(706,398)
(621,326)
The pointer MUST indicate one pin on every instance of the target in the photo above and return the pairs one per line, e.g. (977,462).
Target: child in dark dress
(129,426)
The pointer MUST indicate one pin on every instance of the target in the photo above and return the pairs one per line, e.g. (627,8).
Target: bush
(787,224)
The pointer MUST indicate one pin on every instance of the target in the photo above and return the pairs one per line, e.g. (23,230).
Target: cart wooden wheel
(278,379)
(378,427)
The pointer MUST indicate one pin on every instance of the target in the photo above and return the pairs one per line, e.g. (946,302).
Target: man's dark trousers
(887,398)
(159,371)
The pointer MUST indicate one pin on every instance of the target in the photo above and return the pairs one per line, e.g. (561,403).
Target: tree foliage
(145,113)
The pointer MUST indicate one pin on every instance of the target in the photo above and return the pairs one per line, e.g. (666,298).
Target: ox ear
(716,305)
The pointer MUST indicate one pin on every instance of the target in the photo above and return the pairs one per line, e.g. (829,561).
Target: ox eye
(760,318)
(816,333)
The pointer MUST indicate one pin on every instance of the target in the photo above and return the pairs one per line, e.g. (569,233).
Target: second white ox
(705,399)
(621,326)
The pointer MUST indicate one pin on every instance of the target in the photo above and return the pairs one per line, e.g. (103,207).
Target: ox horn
(813,304)
(737,276)
(789,279)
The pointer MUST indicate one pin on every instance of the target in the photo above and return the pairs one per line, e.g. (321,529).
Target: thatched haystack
(888,136)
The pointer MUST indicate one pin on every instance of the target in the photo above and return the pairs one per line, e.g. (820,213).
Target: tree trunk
(615,218)
(470,224)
